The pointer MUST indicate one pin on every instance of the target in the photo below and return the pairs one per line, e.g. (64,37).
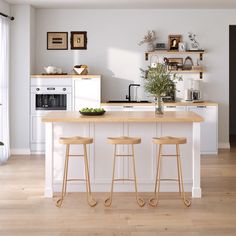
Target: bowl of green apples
(92,111)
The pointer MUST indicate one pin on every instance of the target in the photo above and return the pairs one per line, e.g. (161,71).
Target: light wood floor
(25,212)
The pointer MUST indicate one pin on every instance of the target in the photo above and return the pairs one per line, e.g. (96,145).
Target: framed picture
(57,40)
(78,40)
(174,41)
(175,63)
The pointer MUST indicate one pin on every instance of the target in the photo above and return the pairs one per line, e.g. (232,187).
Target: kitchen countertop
(147,116)
(166,104)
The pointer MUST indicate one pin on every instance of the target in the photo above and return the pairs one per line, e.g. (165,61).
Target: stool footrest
(169,179)
(76,180)
(171,155)
(123,155)
(76,155)
(123,180)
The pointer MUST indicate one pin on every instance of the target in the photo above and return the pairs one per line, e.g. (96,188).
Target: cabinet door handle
(127,106)
(201,106)
(171,106)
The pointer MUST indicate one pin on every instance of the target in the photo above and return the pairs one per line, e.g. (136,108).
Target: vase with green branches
(158,82)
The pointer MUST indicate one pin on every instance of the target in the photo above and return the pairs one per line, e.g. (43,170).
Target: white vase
(150,47)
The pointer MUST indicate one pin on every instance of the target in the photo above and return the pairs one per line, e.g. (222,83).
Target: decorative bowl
(98,113)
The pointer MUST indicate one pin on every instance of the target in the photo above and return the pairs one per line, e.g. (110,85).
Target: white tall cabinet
(81,91)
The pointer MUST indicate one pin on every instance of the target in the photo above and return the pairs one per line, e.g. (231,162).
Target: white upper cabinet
(86,92)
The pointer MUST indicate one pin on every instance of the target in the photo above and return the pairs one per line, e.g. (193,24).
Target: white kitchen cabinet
(37,134)
(209,128)
(86,92)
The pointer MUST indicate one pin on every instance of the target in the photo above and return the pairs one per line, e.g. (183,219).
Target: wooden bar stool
(169,141)
(124,141)
(70,141)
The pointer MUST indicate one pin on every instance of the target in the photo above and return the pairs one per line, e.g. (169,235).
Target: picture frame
(173,42)
(57,40)
(78,40)
(182,47)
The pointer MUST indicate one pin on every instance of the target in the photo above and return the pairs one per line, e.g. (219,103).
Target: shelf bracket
(146,56)
(201,56)
(201,75)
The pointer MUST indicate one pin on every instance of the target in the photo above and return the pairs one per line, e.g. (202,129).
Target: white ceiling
(130,4)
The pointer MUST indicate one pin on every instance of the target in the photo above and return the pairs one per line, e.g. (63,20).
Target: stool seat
(170,140)
(123,140)
(75,140)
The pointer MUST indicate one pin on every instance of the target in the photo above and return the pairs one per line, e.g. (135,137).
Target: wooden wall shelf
(200,53)
(170,52)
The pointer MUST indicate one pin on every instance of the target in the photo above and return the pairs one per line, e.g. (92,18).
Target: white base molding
(196,192)
(20,151)
(125,187)
(48,193)
(224,145)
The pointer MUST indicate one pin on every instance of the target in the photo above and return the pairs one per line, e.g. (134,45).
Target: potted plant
(158,81)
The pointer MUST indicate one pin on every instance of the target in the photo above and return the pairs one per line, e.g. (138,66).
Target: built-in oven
(50,98)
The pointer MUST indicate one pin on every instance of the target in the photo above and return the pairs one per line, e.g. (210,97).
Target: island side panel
(196,189)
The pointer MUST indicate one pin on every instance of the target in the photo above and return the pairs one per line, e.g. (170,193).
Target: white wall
(114,53)
(20,64)
(4,7)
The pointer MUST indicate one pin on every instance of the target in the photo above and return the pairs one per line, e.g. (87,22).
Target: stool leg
(186,201)
(154,200)
(178,170)
(139,200)
(64,184)
(108,201)
(90,199)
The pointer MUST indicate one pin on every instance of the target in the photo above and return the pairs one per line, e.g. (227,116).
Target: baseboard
(224,145)
(80,187)
(20,151)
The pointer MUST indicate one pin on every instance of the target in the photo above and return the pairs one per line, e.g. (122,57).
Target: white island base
(101,153)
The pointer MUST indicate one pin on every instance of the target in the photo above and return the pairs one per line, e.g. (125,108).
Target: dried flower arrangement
(195,43)
(149,38)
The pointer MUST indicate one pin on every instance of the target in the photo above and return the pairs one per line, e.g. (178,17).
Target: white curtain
(4,89)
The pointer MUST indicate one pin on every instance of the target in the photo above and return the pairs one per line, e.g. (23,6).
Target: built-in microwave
(50,99)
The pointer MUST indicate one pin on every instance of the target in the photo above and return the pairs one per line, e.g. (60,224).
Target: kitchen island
(142,124)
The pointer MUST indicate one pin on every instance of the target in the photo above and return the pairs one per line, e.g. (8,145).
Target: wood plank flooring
(25,212)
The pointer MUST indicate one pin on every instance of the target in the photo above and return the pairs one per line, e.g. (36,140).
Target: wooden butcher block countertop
(124,116)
